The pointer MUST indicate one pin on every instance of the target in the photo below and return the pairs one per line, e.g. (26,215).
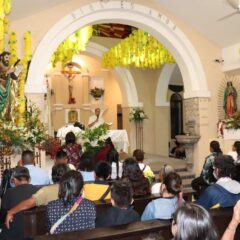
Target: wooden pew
(35,224)
(137,230)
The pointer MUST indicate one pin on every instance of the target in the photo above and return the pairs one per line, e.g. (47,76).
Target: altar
(119,137)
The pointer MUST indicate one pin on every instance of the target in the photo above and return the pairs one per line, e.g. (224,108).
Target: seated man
(22,190)
(120,212)
(38,175)
(226,191)
(61,158)
(42,196)
(99,189)
(95,120)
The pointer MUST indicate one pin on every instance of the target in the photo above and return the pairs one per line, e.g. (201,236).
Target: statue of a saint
(6,74)
(230,100)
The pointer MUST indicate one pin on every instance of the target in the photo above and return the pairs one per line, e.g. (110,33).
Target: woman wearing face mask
(171,199)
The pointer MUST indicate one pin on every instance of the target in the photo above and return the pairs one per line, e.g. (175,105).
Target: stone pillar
(130,128)
(196,113)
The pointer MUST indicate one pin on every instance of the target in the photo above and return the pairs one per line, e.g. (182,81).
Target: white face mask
(215,175)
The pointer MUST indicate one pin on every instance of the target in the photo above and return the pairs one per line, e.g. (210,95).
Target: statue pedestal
(139,134)
(231,134)
(188,142)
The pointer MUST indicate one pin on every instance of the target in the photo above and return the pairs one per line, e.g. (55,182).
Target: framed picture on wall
(72,115)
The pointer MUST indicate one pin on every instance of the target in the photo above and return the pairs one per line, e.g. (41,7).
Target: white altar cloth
(119,137)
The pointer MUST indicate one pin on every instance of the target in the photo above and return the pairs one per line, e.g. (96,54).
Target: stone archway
(138,15)
(128,13)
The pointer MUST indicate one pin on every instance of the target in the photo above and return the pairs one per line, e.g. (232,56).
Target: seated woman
(72,149)
(192,221)
(113,160)
(102,153)
(171,198)
(207,178)
(164,171)
(133,174)
(234,153)
(86,167)
(71,212)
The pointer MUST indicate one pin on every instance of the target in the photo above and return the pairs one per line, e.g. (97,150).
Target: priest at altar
(96,120)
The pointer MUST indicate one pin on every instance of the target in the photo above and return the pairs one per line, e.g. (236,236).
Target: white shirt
(93,118)
(142,165)
(62,132)
(233,154)
(114,170)
(156,188)
(71,167)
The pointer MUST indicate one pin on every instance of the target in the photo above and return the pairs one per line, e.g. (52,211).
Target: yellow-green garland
(140,50)
(5,8)
(74,44)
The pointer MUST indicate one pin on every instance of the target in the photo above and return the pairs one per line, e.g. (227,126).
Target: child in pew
(171,199)
(120,212)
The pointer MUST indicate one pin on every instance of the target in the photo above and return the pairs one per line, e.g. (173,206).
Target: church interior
(176,63)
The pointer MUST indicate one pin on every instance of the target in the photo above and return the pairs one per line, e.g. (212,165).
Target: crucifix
(70,70)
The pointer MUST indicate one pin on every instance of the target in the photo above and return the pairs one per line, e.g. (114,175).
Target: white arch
(162,85)
(150,20)
(123,76)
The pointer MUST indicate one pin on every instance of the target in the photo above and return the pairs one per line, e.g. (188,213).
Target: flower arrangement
(233,122)
(96,92)
(137,114)
(94,139)
(149,175)
(28,136)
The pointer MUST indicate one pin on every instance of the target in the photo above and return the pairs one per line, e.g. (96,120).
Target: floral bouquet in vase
(137,114)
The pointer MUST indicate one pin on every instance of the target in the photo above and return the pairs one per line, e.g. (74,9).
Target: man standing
(96,120)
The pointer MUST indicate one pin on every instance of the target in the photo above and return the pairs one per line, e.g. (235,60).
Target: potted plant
(96,92)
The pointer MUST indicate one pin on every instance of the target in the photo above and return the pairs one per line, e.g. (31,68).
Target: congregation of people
(77,179)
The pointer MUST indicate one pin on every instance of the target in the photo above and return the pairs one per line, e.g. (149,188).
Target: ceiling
(201,15)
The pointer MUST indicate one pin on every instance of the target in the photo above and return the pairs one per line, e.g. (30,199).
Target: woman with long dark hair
(71,212)
(132,173)
(72,149)
(86,167)
(207,178)
(192,221)
(171,199)
(113,160)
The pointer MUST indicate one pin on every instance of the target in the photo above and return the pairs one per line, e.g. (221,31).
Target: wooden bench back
(138,230)
(35,223)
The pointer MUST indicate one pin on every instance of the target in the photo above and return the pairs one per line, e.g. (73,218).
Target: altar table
(119,137)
